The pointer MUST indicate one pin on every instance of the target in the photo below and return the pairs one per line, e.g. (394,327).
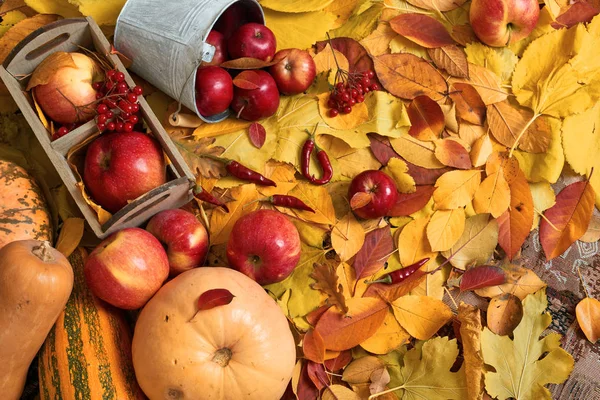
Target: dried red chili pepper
(401,274)
(289,202)
(205,196)
(322,157)
(242,172)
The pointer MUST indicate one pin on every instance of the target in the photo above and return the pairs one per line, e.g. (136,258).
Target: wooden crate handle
(62,35)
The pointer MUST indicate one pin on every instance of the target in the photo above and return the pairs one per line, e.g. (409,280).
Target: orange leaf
(568,219)
(408,76)
(247,80)
(408,203)
(445,228)
(374,253)
(453,154)
(463,34)
(507,122)
(452,59)
(515,223)
(469,106)
(214,298)
(391,292)
(21,30)
(456,188)
(247,63)
(437,5)
(344,331)
(504,314)
(492,196)
(422,29)
(44,72)
(426,118)
(588,316)
(360,199)
(487,84)
(313,346)
(327,282)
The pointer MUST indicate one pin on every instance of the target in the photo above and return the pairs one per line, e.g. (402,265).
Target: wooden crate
(70,35)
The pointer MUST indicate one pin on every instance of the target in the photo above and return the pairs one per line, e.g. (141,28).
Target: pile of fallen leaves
(474,138)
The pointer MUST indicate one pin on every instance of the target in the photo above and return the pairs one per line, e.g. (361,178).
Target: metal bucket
(166,42)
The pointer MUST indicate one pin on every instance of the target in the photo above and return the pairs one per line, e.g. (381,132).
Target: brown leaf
(422,29)
(469,106)
(504,314)
(408,203)
(316,373)
(579,11)
(374,253)
(360,199)
(425,176)
(426,118)
(339,392)
(437,5)
(381,148)
(470,333)
(507,122)
(379,380)
(257,134)
(453,154)
(568,219)
(463,34)
(452,59)
(313,347)
(327,282)
(481,277)
(588,316)
(358,58)
(21,30)
(361,369)
(514,225)
(487,84)
(192,151)
(408,76)
(70,235)
(344,331)
(247,63)
(214,298)
(340,362)
(248,80)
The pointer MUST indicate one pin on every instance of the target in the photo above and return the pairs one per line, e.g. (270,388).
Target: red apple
(67,96)
(258,101)
(264,245)
(218,40)
(214,90)
(501,22)
(295,71)
(235,16)
(252,40)
(183,236)
(122,166)
(382,189)
(127,268)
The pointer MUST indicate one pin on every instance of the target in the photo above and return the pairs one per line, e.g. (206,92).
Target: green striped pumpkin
(87,354)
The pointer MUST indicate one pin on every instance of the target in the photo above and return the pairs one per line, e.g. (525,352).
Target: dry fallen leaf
(221,223)
(70,235)
(388,337)
(453,153)
(326,281)
(504,313)
(377,248)
(482,276)
(452,59)
(445,228)
(469,105)
(422,29)
(456,188)
(588,317)
(347,237)
(470,333)
(519,281)
(426,118)
(421,316)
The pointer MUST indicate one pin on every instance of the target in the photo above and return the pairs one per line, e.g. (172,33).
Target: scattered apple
(127,268)
(257,102)
(380,187)
(252,40)
(122,166)
(294,72)
(183,236)
(214,90)
(501,22)
(62,86)
(218,40)
(264,245)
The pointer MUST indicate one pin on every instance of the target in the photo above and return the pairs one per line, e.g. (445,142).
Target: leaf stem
(546,219)
(375,395)
(451,297)
(527,125)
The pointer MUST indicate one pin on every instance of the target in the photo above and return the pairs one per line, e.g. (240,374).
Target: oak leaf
(377,248)
(192,151)
(421,316)
(347,237)
(477,243)
(450,58)
(326,281)
(388,337)
(470,333)
(451,152)
(588,317)
(445,228)
(456,188)
(520,372)
(426,118)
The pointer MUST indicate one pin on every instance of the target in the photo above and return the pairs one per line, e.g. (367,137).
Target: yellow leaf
(543,198)
(238,147)
(361,369)
(487,84)
(413,244)
(445,228)
(299,30)
(362,22)
(358,116)
(421,316)
(326,62)
(63,8)
(480,151)
(470,133)
(104,12)
(20,30)
(347,161)
(378,42)
(416,151)
(520,282)
(500,60)
(546,166)
(295,6)
(398,170)
(339,392)
(316,198)
(456,188)
(477,243)
(470,332)
(581,144)
(221,222)
(588,316)
(282,174)
(388,337)
(493,195)
(343,9)
(387,115)
(224,127)
(400,44)
(347,237)
(450,117)
(310,234)
(433,285)
(9,19)
(70,236)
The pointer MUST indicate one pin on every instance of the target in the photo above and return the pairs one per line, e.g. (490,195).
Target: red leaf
(339,362)
(382,148)
(257,134)
(313,346)
(421,29)
(426,118)
(425,176)
(568,219)
(306,388)
(374,253)
(580,11)
(214,298)
(357,56)
(412,202)
(317,374)
(314,316)
(248,80)
(481,277)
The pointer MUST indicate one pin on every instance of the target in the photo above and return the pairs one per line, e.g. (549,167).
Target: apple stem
(240,112)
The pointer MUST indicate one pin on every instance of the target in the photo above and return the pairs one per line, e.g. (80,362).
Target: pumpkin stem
(222,356)
(43,251)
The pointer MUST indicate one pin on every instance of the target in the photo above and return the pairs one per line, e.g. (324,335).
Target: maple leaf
(192,151)
(519,371)
(326,280)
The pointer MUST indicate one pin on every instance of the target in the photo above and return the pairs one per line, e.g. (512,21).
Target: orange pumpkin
(242,350)
(23,210)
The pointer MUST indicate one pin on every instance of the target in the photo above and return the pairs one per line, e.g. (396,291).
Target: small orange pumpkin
(23,210)
(241,350)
